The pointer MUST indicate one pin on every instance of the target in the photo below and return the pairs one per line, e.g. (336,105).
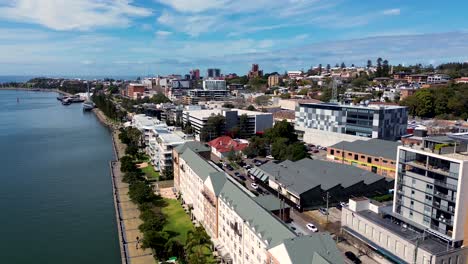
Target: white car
(312,228)
(254,185)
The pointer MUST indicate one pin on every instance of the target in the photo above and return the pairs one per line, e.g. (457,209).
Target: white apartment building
(258,122)
(438,78)
(211,84)
(162,141)
(241,229)
(145,124)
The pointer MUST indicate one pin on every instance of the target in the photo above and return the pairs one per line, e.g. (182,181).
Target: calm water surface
(55,190)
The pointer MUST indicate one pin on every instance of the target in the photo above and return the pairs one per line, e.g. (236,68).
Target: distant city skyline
(148,37)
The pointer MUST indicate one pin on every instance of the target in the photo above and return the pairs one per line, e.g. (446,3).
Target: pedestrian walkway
(129,222)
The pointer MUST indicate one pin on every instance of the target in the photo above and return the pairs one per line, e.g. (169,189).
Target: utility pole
(328,198)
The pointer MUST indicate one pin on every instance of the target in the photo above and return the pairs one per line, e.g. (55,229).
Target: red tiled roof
(226,144)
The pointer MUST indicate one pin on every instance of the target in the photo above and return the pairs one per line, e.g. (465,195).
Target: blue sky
(141,37)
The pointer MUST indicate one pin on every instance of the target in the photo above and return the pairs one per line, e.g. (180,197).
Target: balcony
(444,196)
(442,219)
(446,185)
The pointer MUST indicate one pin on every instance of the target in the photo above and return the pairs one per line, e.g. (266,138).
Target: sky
(150,37)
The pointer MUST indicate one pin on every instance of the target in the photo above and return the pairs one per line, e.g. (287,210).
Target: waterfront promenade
(127,213)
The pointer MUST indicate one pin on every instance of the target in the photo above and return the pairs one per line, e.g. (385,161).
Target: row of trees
(105,104)
(449,101)
(282,140)
(196,249)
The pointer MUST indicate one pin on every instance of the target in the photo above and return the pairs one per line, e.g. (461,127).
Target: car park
(351,256)
(312,227)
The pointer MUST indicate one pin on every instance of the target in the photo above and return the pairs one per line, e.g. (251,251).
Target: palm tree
(197,241)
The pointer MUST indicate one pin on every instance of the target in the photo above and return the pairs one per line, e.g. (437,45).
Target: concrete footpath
(128,218)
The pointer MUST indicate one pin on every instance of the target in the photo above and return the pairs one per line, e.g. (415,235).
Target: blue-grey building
(374,121)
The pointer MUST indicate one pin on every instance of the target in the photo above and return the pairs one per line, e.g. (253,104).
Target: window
(350,154)
(369,160)
(376,159)
(384,161)
(332,152)
(363,157)
(356,156)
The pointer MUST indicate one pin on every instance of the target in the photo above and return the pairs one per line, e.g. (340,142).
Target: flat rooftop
(373,106)
(205,113)
(428,243)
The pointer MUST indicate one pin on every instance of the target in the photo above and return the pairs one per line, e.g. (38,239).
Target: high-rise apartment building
(431,187)
(273,80)
(195,74)
(213,73)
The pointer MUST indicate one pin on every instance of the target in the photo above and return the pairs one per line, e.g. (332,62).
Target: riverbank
(36,90)
(126,212)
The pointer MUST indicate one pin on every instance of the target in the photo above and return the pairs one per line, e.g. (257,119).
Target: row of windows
(356,156)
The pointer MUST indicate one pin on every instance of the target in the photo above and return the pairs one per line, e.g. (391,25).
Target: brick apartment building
(133,90)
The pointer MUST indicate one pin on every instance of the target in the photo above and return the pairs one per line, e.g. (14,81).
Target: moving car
(351,256)
(254,185)
(312,227)
(323,211)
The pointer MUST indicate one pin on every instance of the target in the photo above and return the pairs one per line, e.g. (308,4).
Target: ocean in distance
(25,78)
(56,193)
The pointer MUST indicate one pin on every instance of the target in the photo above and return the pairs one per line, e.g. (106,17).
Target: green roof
(318,248)
(194,146)
(218,179)
(269,202)
(270,228)
(197,163)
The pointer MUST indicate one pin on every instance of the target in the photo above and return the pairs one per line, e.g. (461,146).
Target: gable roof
(373,147)
(197,164)
(264,223)
(226,144)
(307,174)
(218,179)
(318,248)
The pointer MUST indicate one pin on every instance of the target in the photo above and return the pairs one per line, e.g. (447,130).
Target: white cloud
(73,14)
(194,6)
(392,12)
(192,25)
(163,33)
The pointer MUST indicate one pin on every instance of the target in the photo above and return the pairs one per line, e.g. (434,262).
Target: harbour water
(56,203)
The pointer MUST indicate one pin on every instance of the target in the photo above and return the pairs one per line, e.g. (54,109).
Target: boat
(88,105)
(66,101)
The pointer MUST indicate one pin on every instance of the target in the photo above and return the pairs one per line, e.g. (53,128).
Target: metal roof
(306,174)
(373,147)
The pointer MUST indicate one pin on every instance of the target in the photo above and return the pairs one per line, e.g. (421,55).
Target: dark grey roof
(439,139)
(373,147)
(306,174)
(269,202)
(317,248)
(194,146)
(264,223)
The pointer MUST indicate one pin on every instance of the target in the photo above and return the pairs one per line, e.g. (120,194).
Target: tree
(369,64)
(281,129)
(360,82)
(215,127)
(131,150)
(168,173)
(152,221)
(188,128)
(320,69)
(159,99)
(197,241)
(285,96)
(262,100)
(140,192)
(174,248)
(228,105)
(156,240)
(251,108)
(343,65)
(379,71)
(385,69)
(328,67)
(303,91)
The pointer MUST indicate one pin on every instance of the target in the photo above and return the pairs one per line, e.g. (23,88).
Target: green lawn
(177,220)
(150,173)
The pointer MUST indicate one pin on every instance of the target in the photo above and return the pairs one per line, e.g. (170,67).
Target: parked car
(343,204)
(315,151)
(270,157)
(254,185)
(241,163)
(351,256)
(237,173)
(247,167)
(242,177)
(229,167)
(323,211)
(312,227)
(292,228)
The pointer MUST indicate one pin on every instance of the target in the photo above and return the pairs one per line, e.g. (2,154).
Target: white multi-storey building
(428,220)
(162,141)
(241,229)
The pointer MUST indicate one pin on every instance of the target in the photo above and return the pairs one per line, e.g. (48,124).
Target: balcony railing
(446,185)
(444,196)
(442,219)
